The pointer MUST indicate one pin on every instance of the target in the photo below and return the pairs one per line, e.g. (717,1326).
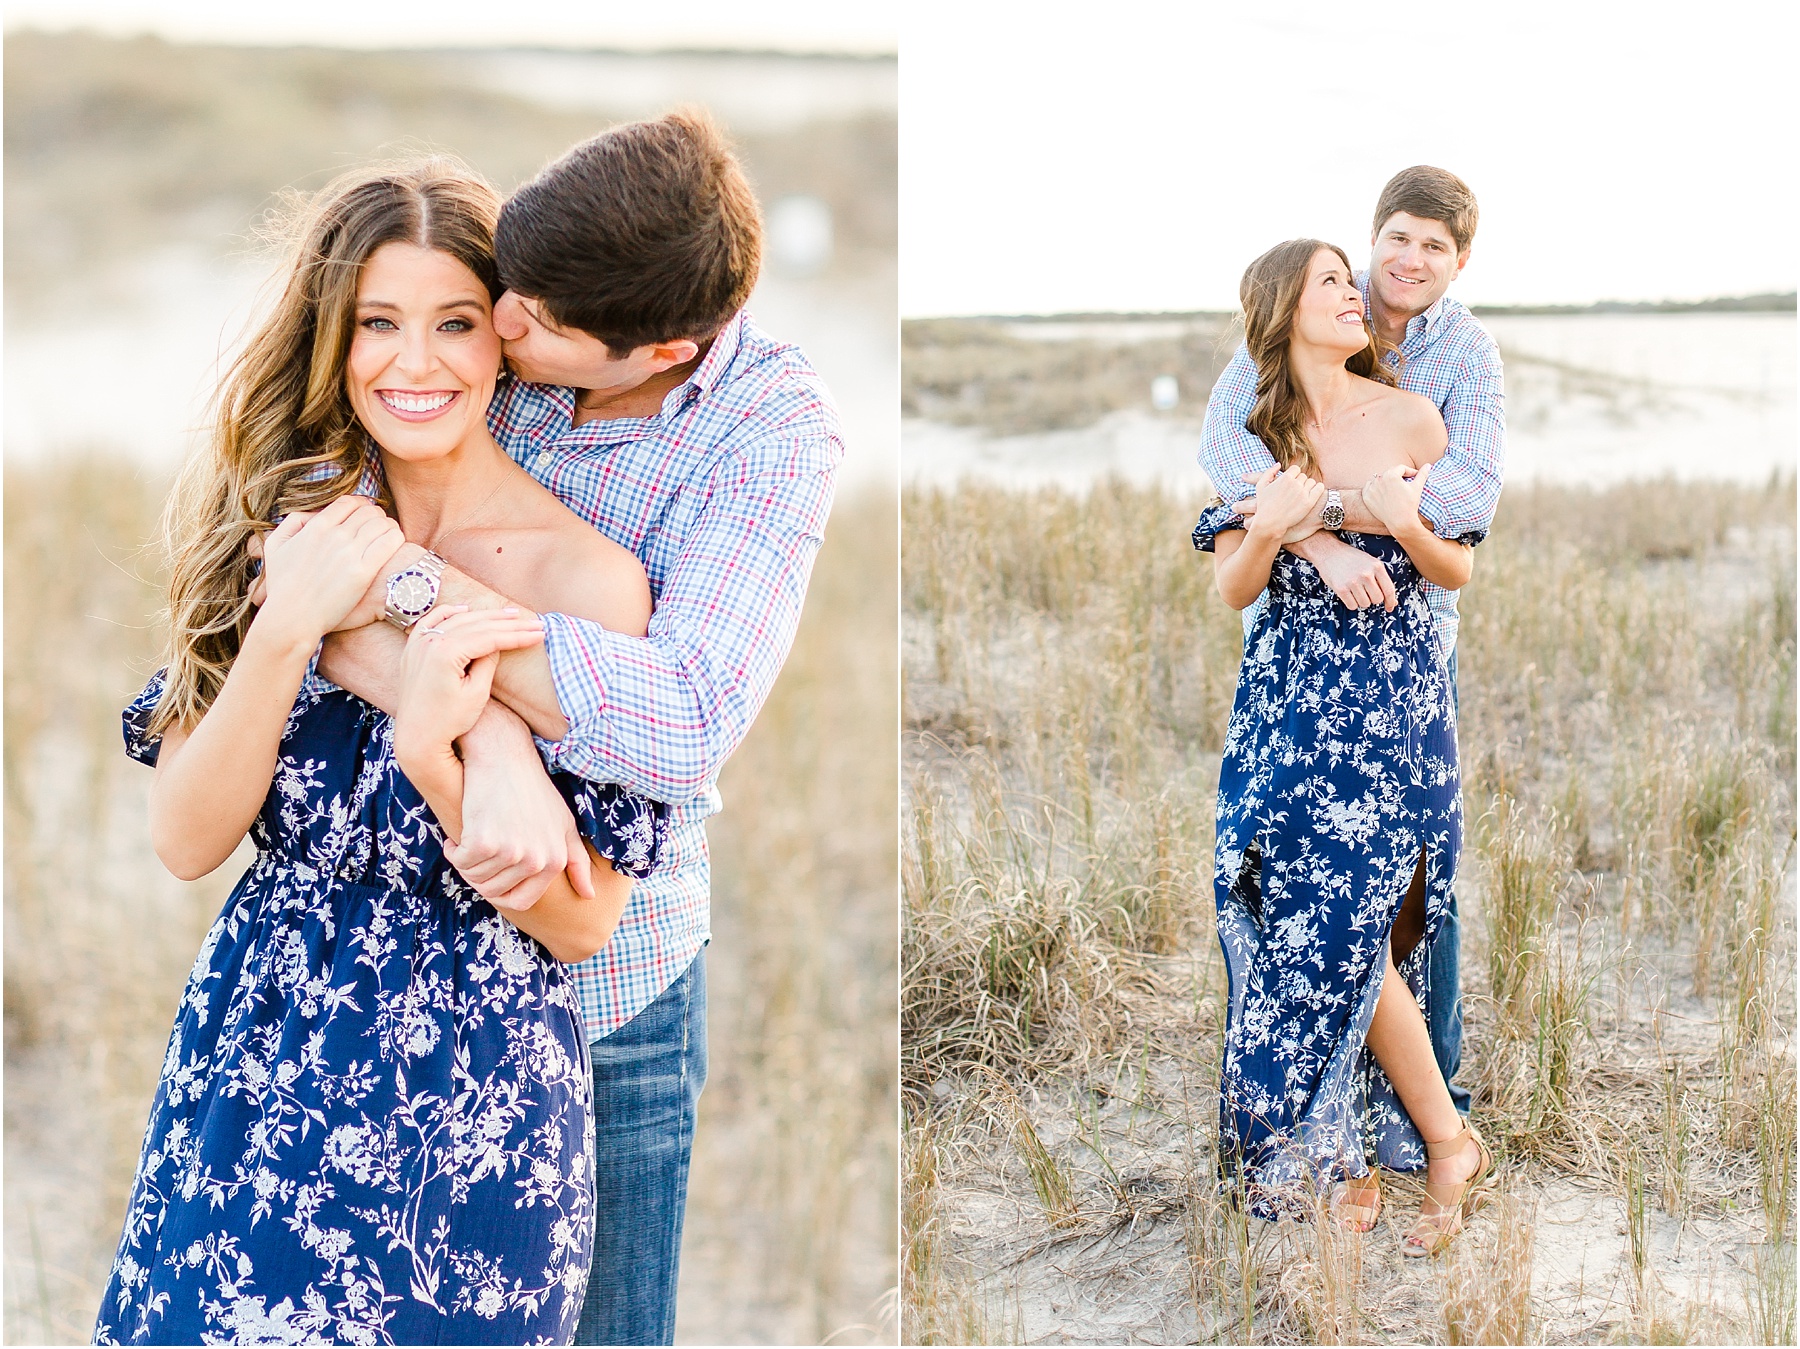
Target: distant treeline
(1772,302)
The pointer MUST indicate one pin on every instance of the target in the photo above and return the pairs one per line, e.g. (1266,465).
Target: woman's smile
(1330,299)
(424,321)
(417,405)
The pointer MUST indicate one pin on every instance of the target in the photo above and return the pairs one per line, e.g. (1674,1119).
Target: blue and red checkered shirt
(723,497)
(1448,357)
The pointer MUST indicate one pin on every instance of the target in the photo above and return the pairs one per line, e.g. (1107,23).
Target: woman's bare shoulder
(576,570)
(596,578)
(1415,422)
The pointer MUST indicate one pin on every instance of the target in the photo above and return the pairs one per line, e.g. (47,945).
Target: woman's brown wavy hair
(1270,293)
(284,437)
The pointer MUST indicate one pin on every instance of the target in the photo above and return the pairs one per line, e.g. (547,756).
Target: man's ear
(1462,261)
(665,355)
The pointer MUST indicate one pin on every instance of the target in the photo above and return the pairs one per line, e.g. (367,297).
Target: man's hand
(1357,579)
(517,830)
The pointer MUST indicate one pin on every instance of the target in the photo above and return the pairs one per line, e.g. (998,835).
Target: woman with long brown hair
(1339,809)
(372,1124)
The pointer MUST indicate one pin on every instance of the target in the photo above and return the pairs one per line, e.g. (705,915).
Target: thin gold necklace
(468,521)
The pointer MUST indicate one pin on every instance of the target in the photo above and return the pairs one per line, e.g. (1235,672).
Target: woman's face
(425,355)
(1330,312)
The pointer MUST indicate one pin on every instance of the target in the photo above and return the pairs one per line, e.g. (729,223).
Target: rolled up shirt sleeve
(313,684)
(1463,488)
(1230,455)
(660,713)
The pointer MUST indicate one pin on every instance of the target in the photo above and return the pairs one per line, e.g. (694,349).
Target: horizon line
(1752,302)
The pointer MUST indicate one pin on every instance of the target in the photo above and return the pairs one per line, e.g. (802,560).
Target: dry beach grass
(791,1227)
(1627,694)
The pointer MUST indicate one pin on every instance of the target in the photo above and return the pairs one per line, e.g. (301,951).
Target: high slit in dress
(1339,768)
(372,1125)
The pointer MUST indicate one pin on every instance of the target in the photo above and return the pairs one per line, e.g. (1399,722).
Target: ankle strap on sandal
(1451,1146)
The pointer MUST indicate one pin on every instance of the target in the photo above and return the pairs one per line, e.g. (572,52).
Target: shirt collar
(1419,325)
(720,355)
(1429,319)
(712,368)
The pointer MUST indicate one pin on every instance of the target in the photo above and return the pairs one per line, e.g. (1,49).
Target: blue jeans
(1443,999)
(647,1080)
(1443,1006)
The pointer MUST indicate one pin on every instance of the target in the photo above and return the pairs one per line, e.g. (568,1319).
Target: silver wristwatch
(411,593)
(1332,517)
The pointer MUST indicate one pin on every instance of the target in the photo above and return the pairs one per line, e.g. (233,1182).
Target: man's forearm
(523,680)
(1358,517)
(1315,546)
(367,660)
(515,830)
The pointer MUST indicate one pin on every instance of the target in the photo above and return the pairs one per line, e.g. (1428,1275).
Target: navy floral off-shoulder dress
(372,1125)
(1339,768)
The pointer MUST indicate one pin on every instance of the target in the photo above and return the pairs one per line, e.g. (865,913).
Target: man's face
(540,351)
(1412,263)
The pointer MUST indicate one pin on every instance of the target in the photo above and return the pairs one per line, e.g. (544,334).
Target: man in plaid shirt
(649,402)
(1424,224)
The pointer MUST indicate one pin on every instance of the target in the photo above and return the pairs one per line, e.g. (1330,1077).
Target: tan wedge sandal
(1435,1230)
(1358,1203)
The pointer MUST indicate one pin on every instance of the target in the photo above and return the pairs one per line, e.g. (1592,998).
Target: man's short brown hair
(1430,194)
(647,233)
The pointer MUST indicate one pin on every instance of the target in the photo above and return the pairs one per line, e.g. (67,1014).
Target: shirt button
(543,458)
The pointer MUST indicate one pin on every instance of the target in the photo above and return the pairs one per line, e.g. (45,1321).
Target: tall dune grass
(1626,683)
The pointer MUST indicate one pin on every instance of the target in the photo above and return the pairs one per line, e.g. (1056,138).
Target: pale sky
(1136,156)
(792,25)
(1139,158)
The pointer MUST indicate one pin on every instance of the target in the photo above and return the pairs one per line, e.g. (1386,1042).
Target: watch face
(410,592)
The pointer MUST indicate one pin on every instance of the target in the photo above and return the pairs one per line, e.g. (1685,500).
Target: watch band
(1332,515)
(429,569)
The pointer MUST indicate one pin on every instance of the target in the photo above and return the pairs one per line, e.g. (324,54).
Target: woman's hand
(1393,498)
(1284,499)
(211,779)
(448,673)
(317,565)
